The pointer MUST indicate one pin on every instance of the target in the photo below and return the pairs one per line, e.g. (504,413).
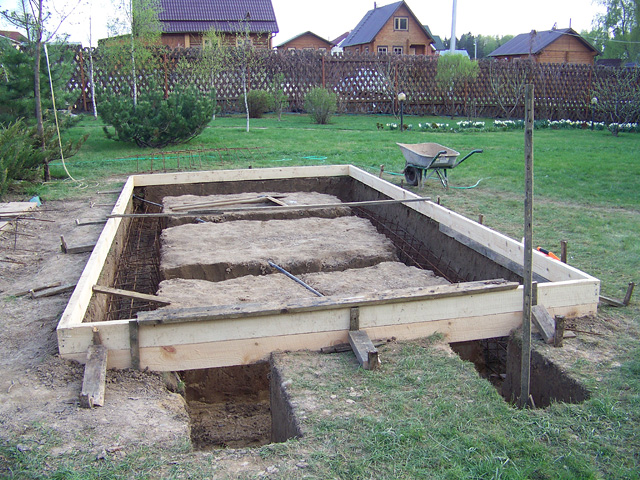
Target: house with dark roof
(16,38)
(551,46)
(307,41)
(392,28)
(185,22)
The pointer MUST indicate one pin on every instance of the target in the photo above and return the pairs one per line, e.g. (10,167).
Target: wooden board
(12,209)
(365,352)
(544,321)
(95,375)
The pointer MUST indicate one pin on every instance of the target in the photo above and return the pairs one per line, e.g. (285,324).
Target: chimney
(375,5)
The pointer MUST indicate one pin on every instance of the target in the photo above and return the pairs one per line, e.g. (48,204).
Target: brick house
(551,46)
(185,22)
(306,41)
(392,28)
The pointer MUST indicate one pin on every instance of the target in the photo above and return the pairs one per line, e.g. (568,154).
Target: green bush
(157,122)
(320,104)
(259,102)
(19,153)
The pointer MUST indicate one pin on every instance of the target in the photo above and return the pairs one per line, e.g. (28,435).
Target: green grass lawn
(587,192)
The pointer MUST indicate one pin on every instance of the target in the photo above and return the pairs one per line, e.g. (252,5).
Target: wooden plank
(79,301)
(36,289)
(286,207)
(515,267)
(364,350)
(240,175)
(496,241)
(95,374)
(90,222)
(166,315)
(129,294)
(544,321)
(50,292)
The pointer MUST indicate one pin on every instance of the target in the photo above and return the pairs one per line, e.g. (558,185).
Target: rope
(55,113)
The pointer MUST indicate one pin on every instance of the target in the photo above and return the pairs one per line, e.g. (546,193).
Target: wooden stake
(563,251)
(481,219)
(627,297)
(559,333)
(381,171)
(525,368)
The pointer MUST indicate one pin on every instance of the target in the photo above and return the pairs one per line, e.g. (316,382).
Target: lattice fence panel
(363,83)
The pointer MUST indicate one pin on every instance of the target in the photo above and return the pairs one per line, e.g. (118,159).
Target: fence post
(166,78)
(323,76)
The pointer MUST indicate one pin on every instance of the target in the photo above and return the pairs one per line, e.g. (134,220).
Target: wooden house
(185,22)
(551,46)
(15,38)
(306,41)
(392,28)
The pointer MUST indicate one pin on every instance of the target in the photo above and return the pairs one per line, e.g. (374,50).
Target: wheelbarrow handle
(479,150)
(441,152)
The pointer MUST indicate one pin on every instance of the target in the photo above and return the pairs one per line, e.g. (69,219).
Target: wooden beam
(197,314)
(544,322)
(364,350)
(36,289)
(129,294)
(95,374)
(279,208)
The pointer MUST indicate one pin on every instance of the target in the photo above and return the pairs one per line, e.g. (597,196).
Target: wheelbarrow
(429,159)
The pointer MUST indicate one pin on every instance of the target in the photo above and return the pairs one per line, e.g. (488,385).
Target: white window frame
(398,50)
(383,49)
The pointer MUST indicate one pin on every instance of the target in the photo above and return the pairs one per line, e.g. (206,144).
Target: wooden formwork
(224,335)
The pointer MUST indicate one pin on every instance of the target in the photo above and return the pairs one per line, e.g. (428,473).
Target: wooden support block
(627,297)
(129,294)
(95,375)
(50,292)
(79,249)
(611,301)
(544,321)
(364,350)
(559,331)
(134,344)
(354,319)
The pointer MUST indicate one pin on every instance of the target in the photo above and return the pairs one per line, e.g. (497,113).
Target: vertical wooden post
(558,336)
(481,219)
(323,76)
(525,367)
(627,297)
(563,251)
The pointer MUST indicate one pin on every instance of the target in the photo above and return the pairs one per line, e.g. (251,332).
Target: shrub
(157,122)
(320,104)
(259,102)
(19,153)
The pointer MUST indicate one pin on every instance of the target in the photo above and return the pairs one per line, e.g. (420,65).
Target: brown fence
(363,83)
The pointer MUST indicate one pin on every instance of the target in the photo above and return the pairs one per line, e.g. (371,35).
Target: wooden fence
(363,83)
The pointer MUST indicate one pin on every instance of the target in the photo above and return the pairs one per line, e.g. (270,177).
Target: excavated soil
(234,249)
(386,276)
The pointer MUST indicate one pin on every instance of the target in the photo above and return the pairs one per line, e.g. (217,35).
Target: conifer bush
(157,122)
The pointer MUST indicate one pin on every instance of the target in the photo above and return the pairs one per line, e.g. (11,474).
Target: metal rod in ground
(296,279)
(525,366)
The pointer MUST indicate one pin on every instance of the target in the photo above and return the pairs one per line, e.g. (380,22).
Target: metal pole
(525,367)
(295,279)
(453,27)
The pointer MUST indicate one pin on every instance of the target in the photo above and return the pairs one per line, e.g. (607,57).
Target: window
(382,49)
(243,42)
(366,49)
(401,23)
(398,50)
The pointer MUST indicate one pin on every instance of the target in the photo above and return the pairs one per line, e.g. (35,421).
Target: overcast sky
(331,18)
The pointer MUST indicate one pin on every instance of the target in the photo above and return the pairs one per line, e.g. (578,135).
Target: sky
(331,18)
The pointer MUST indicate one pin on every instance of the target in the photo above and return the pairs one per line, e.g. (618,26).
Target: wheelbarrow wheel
(412,175)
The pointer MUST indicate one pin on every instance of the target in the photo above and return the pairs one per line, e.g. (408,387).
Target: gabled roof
(340,39)
(181,16)
(373,22)
(536,42)
(15,37)
(324,40)
(437,41)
